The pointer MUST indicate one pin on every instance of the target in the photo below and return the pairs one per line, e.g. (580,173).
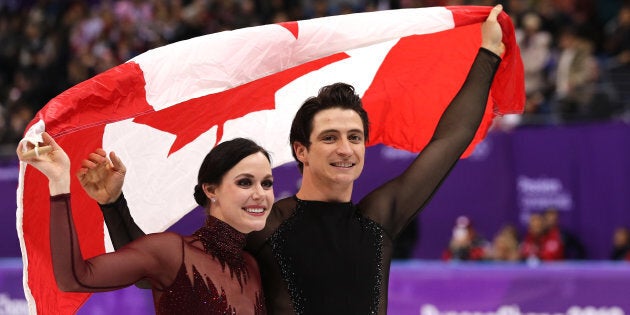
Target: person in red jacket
(540,243)
(466,243)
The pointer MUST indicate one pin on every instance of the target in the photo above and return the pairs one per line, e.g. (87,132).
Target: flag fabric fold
(163,110)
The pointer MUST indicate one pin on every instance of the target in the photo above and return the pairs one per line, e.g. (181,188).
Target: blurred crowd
(576,53)
(543,239)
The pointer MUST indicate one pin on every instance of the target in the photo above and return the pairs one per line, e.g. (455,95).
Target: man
(319,253)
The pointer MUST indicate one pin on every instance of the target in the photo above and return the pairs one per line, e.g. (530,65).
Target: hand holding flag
(36,151)
(55,164)
(491,34)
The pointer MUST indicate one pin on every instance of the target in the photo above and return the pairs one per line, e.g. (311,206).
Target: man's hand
(102,178)
(491,33)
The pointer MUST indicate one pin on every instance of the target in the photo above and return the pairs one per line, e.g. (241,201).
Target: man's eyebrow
(328,130)
(337,130)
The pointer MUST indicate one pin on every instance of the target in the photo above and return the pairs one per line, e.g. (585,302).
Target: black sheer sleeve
(147,257)
(394,204)
(122,228)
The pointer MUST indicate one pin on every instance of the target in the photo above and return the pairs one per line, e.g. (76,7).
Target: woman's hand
(53,163)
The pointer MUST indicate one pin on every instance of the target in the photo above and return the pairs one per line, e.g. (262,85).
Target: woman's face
(245,196)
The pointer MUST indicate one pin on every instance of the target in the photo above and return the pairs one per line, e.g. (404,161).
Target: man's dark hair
(337,95)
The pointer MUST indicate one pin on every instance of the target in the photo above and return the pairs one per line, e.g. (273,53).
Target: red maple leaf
(189,119)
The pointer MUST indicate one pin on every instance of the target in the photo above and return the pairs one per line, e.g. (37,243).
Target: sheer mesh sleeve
(394,204)
(121,226)
(147,257)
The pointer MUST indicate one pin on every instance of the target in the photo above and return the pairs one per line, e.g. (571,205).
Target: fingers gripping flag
(162,111)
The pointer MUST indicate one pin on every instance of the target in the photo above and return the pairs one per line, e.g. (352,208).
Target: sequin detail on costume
(278,245)
(195,292)
(200,297)
(229,252)
(378,244)
(344,249)
(259,307)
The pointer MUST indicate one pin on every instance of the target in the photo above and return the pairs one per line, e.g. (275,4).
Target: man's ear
(300,151)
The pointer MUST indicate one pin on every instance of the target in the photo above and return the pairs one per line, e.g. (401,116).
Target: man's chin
(347,179)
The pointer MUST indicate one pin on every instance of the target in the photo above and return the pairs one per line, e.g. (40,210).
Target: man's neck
(327,193)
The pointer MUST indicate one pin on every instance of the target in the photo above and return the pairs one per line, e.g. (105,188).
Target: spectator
(617,48)
(617,42)
(535,45)
(576,75)
(573,247)
(465,243)
(505,245)
(540,245)
(621,244)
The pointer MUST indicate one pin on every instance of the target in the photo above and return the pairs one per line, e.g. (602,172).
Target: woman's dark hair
(337,95)
(222,159)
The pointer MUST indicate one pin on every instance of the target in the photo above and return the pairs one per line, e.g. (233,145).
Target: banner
(435,288)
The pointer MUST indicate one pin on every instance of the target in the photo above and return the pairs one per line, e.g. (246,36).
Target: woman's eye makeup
(267,183)
(244,182)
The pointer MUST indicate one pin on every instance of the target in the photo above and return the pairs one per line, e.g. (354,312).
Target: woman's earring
(212,199)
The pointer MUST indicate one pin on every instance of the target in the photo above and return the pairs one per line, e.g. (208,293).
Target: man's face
(337,150)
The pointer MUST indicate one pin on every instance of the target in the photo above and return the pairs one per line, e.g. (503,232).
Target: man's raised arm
(395,204)
(102,179)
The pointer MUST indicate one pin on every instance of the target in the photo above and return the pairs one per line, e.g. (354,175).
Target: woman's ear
(209,190)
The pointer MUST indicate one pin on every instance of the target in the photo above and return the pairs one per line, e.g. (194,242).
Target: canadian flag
(163,110)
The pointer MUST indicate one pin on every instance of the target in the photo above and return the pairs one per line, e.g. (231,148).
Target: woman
(205,273)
